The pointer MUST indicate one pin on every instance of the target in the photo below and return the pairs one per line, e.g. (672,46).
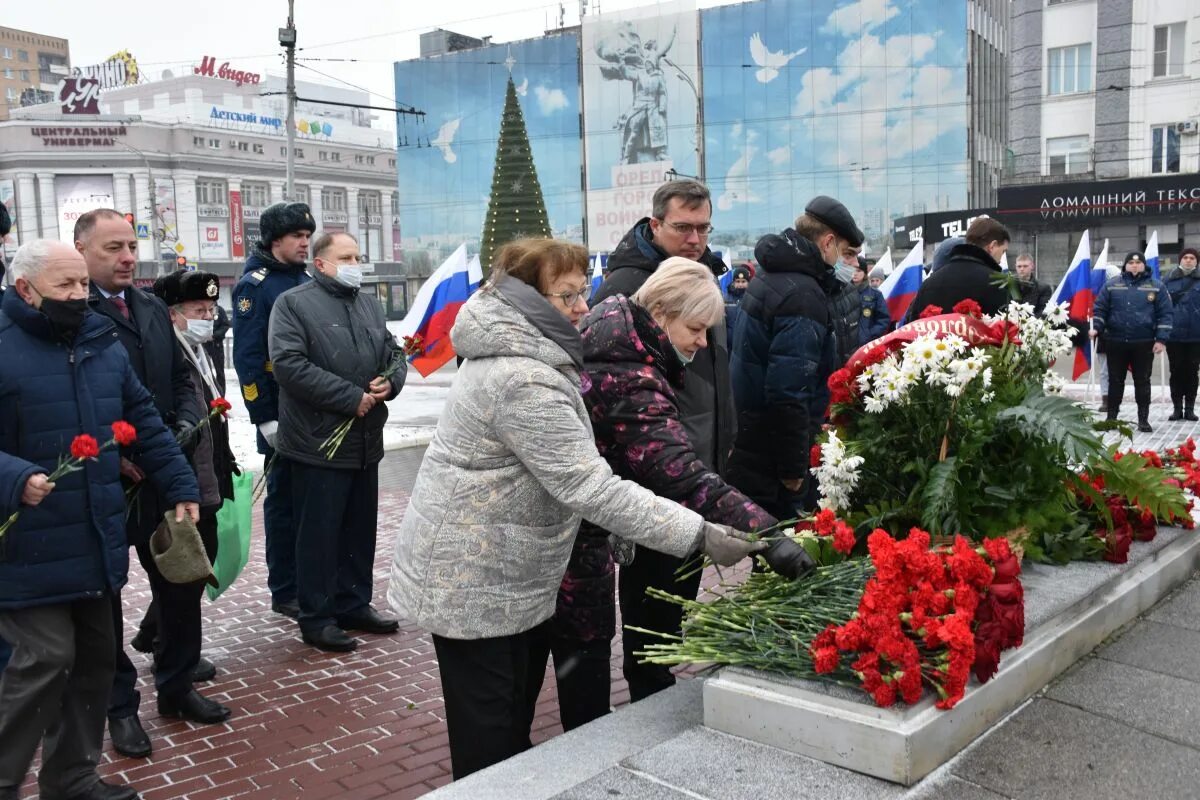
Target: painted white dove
(523,88)
(771,62)
(445,138)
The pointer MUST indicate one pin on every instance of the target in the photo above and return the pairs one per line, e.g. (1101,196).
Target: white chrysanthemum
(988,397)
(837,474)
(1052,383)
(1056,315)
(873,404)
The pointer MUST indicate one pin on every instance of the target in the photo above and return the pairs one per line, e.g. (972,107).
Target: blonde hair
(683,288)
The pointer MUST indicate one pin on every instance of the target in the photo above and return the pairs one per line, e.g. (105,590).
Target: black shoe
(1103,404)
(107,791)
(288,609)
(1176,415)
(143,642)
(369,621)
(205,671)
(1144,426)
(128,737)
(195,707)
(331,639)
(1189,409)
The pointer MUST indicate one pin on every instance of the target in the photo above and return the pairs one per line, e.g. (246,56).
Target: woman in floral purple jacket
(636,353)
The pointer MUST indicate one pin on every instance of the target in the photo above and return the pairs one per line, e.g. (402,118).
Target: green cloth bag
(233,534)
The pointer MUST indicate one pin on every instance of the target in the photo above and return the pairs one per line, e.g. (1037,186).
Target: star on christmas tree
(515,207)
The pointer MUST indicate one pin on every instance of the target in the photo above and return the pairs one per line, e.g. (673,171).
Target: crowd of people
(595,446)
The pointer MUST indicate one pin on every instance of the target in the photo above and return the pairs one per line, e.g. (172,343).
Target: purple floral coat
(634,372)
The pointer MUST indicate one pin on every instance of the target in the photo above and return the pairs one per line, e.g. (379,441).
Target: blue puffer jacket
(875,319)
(1133,308)
(72,545)
(783,354)
(1184,288)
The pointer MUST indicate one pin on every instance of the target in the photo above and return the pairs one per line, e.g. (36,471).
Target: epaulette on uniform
(258,276)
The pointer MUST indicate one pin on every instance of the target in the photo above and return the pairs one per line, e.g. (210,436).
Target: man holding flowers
(335,363)
(66,386)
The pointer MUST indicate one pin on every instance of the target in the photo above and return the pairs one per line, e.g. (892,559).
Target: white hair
(682,288)
(30,258)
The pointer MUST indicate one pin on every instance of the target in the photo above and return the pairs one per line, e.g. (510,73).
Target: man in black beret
(276,265)
(784,351)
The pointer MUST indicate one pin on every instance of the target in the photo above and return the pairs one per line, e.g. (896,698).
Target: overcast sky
(244,32)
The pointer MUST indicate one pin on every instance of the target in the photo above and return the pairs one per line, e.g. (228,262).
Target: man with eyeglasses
(679,225)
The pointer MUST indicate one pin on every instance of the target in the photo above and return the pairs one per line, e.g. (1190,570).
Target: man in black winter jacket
(679,225)
(971,272)
(143,326)
(331,348)
(1033,291)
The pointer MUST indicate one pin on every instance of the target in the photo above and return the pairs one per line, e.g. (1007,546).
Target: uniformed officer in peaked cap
(276,265)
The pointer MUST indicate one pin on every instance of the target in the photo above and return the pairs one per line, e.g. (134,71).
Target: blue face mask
(683,357)
(844,272)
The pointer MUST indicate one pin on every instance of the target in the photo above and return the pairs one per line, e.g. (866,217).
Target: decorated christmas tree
(515,207)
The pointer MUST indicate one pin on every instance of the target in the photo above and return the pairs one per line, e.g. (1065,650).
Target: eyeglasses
(570,298)
(687,229)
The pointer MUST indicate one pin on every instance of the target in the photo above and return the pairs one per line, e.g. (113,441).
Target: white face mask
(349,275)
(199,331)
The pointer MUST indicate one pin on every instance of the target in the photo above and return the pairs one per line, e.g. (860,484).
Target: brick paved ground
(305,723)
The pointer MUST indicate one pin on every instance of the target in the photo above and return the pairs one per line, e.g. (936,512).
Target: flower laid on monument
(83,447)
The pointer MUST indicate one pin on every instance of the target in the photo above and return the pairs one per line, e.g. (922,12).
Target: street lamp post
(152,190)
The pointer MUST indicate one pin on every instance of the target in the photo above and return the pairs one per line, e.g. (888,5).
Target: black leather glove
(788,558)
(187,436)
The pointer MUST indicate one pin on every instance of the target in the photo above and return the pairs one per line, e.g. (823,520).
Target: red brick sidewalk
(306,724)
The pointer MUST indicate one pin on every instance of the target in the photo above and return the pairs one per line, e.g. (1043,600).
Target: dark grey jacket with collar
(327,342)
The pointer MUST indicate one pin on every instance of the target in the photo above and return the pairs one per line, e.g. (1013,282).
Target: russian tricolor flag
(436,307)
(1078,289)
(599,261)
(1152,254)
(902,285)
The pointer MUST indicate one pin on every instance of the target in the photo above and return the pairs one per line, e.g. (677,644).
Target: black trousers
(176,607)
(490,688)
(1184,358)
(1121,357)
(279,527)
(336,513)
(651,568)
(583,673)
(53,693)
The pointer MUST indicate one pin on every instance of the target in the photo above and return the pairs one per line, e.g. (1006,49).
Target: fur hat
(183,285)
(283,218)
(179,552)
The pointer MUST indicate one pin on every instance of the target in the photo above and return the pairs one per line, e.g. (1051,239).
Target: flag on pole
(905,281)
(1004,261)
(1152,253)
(598,263)
(436,307)
(885,262)
(1077,290)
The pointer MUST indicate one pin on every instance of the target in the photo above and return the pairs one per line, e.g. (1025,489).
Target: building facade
(31,65)
(1104,118)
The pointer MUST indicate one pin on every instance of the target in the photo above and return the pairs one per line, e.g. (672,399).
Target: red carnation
(825,660)
(814,456)
(124,433)
(843,538)
(221,405)
(969,307)
(931,311)
(841,387)
(84,446)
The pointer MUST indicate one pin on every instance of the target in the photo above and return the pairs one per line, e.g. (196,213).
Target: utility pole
(287,40)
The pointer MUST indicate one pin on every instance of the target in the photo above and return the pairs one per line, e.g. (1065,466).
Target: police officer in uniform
(276,265)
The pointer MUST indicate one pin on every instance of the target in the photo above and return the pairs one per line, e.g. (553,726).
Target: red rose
(1117,543)
(968,306)
(84,446)
(931,311)
(124,433)
(987,654)
(1144,526)
(220,405)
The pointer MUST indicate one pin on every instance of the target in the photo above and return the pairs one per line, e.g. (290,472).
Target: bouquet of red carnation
(83,447)
(413,345)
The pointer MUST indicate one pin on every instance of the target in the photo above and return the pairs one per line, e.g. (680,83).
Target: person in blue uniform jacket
(875,319)
(276,265)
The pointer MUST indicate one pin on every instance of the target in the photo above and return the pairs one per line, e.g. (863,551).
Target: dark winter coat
(876,319)
(1133,308)
(328,342)
(72,545)
(211,455)
(732,312)
(262,281)
(159,363)
(968,274)
(634,376)
(706,403)
(1184,288)
(783,354)
(1036,294)
(845,311)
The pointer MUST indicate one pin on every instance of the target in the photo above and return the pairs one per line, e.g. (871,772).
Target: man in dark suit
(143,326)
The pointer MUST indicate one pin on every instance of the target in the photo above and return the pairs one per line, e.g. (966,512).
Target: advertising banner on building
(641,92)
(8,200)
(164,210)
(865,101)
(236,225)
(75,195)
(445,184)
(1098,200)
(214,240)
(934,228)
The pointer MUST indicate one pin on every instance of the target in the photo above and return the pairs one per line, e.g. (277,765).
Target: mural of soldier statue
(643,125)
